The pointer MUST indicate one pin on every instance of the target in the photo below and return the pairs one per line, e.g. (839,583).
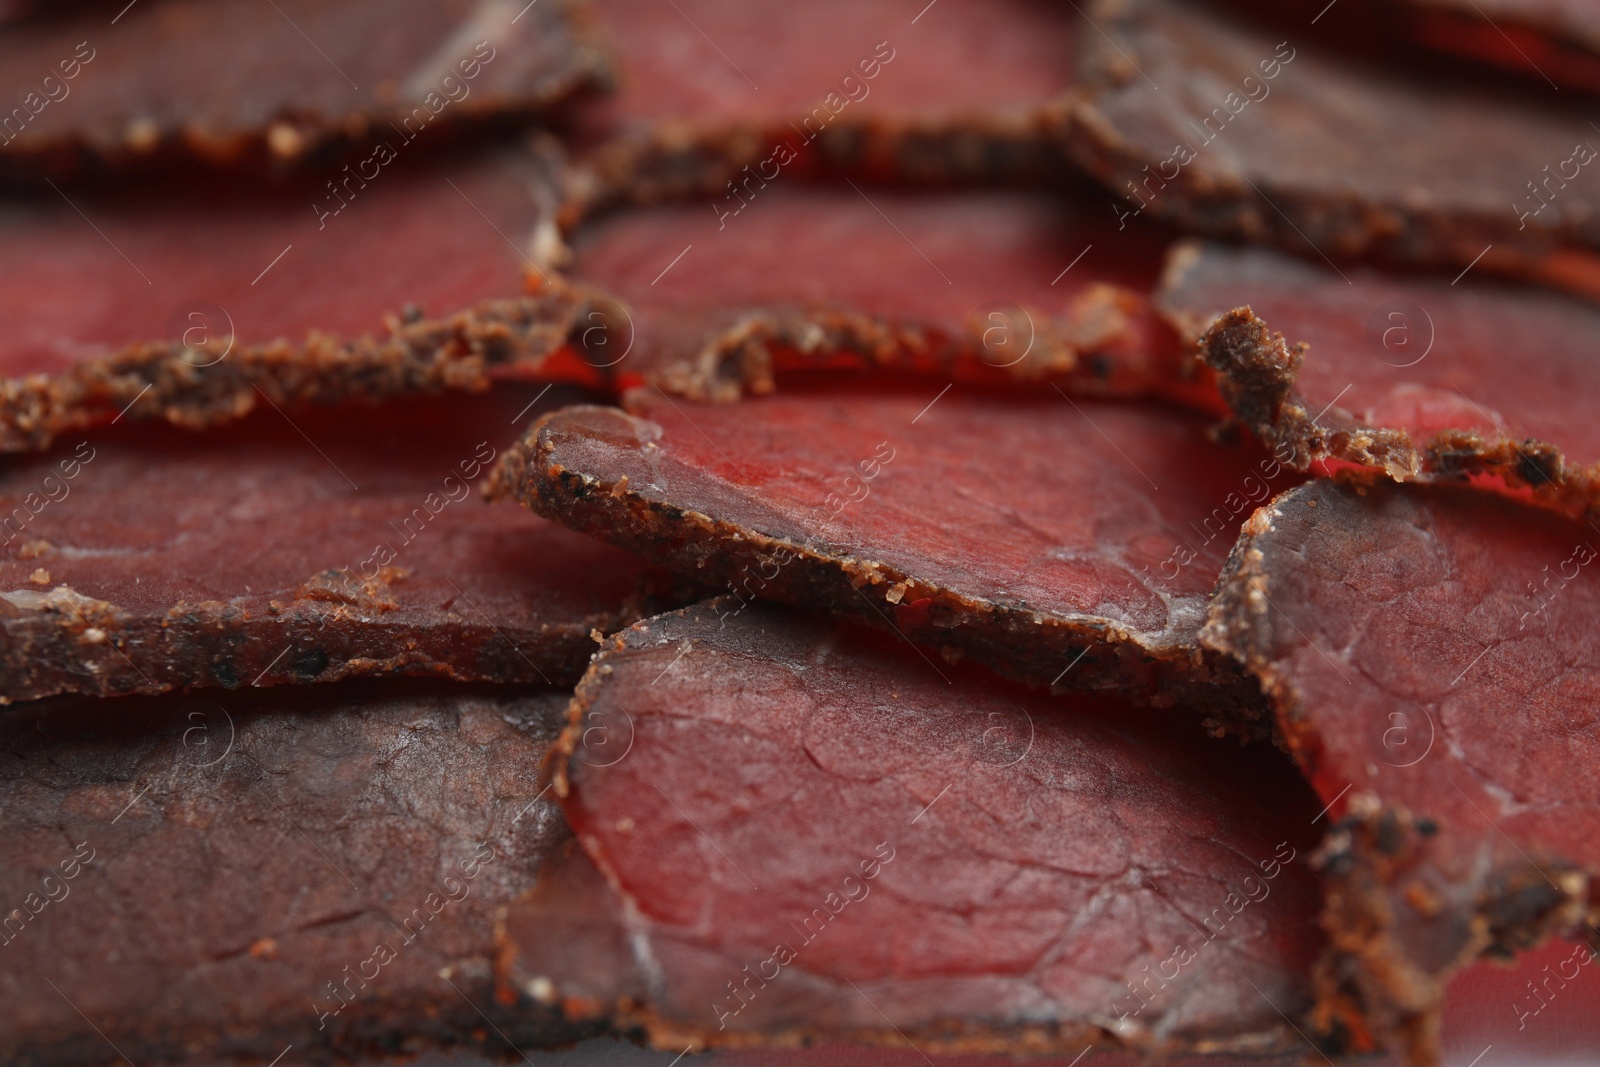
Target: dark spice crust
(1382,979)
(61,641)
(678,159)
(418,355)
(1256,371)
(1015,641)
(745,356)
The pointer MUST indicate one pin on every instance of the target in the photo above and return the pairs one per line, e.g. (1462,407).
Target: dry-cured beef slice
(880,855)
(345,542)
(1432,655)
(1422,377)
(1259,133)
(315,867)
(190,305)
(1060,541)
(711,91)
(1556,41)
(979,285)
(248,86)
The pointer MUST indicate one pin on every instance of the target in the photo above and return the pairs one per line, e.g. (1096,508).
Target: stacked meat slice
(755,524)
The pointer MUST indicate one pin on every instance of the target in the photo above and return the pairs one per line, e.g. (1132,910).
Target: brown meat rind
(1256,370)
(419,355)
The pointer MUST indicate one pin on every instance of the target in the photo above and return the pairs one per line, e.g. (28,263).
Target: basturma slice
(1258,133)
(1422,377)
(1055,540)
(793,833)
(311,867)
(190,305)
(982,285)
(248,86)
(347,542)
(1432,654)
(1557,41)
(966,91)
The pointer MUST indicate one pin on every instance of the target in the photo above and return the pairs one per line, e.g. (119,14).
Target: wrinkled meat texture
(1423,377)
(349,542)
(723,294)
(248,86)
(210,299)
(901,839)
(966,91)
(1324,156)
(1433,657)
(1058,541)
(192,875)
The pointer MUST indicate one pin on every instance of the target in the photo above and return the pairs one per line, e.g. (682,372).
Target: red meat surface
(1424,377)
(1277,130)
(1556,42)
(249,86)
(981,285)
(1431,652)
(1062,541)
(806,834)
(307,867)
(206,297)
(334,543)
(896,89)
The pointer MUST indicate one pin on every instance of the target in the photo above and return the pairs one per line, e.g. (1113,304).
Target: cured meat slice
(1424,378)
(712,91)
(1259,133)
(986,286)
(1431,652)
(880,856)
(337,543)
(249,86)
(1556,41)
(1058,541)
(318,868)
(191,306)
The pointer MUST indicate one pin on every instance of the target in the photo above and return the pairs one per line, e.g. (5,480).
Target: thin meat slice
(1554,41)
(985,286)
(345,542)
(316,868)
(1060,541)
(881,856)
(1263,133)
(1432,655)
(1422,377)
(247,86)
(192,306)
(711,91)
